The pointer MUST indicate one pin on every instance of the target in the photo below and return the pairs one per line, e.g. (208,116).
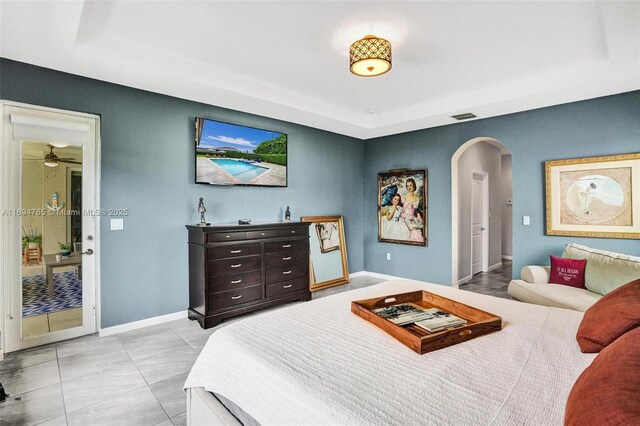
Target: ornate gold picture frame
(402,207)
(328,252)
(594,196)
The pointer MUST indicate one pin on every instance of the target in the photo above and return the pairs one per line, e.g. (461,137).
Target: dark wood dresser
(235,269)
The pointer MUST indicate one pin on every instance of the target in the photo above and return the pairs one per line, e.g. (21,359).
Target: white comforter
(318,363)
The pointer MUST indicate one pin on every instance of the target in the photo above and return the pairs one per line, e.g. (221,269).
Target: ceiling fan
(52,160)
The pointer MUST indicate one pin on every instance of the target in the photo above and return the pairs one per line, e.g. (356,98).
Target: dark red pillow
(610,317)
(567,271)
(608,391)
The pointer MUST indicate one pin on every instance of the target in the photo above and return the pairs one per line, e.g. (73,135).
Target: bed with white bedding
(316,363)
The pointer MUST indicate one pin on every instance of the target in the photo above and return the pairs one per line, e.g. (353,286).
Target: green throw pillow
(605,270)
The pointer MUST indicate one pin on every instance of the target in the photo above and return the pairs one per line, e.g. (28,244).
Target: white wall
(484,157)
(32,193)
(507,216)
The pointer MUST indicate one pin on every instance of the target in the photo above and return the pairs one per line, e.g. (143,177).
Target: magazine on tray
(403,313)
(439,321)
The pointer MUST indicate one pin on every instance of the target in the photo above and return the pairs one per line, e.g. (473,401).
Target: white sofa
(605,271)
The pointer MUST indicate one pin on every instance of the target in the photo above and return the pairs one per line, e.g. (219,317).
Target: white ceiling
(288,60)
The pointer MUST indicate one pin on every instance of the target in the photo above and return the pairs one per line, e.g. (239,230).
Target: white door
(477,234)
(49,198)
(479,222)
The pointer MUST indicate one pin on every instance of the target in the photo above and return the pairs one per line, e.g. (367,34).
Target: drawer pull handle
(236,282)
(286,246)
(227,236)
(236,266)
(236,251)
(464,333)
(262,234)
(293,232)
(287,286)
(286,258)
(286,272)
(236,297)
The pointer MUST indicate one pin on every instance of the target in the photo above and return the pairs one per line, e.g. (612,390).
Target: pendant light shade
(370,56)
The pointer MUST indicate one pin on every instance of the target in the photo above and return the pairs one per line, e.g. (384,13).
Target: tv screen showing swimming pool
(229,154)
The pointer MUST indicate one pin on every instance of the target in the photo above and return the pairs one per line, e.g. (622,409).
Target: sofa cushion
(555,295)
(610,317)
(567,271)
(535,274)
(606,393)
(605,270)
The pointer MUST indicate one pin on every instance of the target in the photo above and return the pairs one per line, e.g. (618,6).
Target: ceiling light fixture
(51,160)
(370,56)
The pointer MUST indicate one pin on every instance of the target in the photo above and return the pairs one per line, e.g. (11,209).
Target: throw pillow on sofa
(610,317)
(567,271)
(606,393)
(605,270)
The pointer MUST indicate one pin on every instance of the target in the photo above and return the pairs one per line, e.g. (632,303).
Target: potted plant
(30,238)
(65,248)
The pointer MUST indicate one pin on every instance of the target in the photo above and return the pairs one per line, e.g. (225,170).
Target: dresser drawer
(230,282)
(289,232)
(286,287)
(276,260)
(234,266)
(261,234)
(226,236)
(286,273)
(226,299)
(214,253)
(280,246)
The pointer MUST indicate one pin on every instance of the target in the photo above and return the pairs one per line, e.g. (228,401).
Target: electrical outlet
(388,256)
(526,220)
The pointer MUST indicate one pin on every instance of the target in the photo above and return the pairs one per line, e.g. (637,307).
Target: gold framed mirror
(328,252)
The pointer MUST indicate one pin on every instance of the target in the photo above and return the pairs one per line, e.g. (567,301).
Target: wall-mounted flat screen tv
(229,154)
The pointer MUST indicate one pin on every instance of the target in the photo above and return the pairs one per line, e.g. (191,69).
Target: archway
(456,212)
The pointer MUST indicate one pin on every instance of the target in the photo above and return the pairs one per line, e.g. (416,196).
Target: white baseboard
(375,275)
(505,257)
(464,280)
(108,331)
(494,267)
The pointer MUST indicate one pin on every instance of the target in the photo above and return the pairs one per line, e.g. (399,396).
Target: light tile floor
(132,378)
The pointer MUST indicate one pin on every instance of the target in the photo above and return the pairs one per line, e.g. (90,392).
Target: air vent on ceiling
(465,116)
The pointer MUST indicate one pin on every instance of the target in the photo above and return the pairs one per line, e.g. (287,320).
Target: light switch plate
(526,220)
(117,224)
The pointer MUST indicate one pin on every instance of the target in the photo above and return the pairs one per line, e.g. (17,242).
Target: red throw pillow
(607,392)
(610,317)
(567,271)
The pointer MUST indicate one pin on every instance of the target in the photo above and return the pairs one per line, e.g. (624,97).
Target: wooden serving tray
(418,339)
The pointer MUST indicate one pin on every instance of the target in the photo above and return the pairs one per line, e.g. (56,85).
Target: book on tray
(432,319)
(440,320)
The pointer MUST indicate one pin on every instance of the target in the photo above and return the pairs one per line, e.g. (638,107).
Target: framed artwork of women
(402,207)
(327,251)
(594,196)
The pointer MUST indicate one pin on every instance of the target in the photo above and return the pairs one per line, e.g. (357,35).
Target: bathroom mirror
(328,252)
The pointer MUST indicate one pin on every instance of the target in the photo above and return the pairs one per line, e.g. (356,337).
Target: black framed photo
(230,154)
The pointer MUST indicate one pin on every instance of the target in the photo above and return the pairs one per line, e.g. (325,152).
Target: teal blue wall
(148,167)
(608,125)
